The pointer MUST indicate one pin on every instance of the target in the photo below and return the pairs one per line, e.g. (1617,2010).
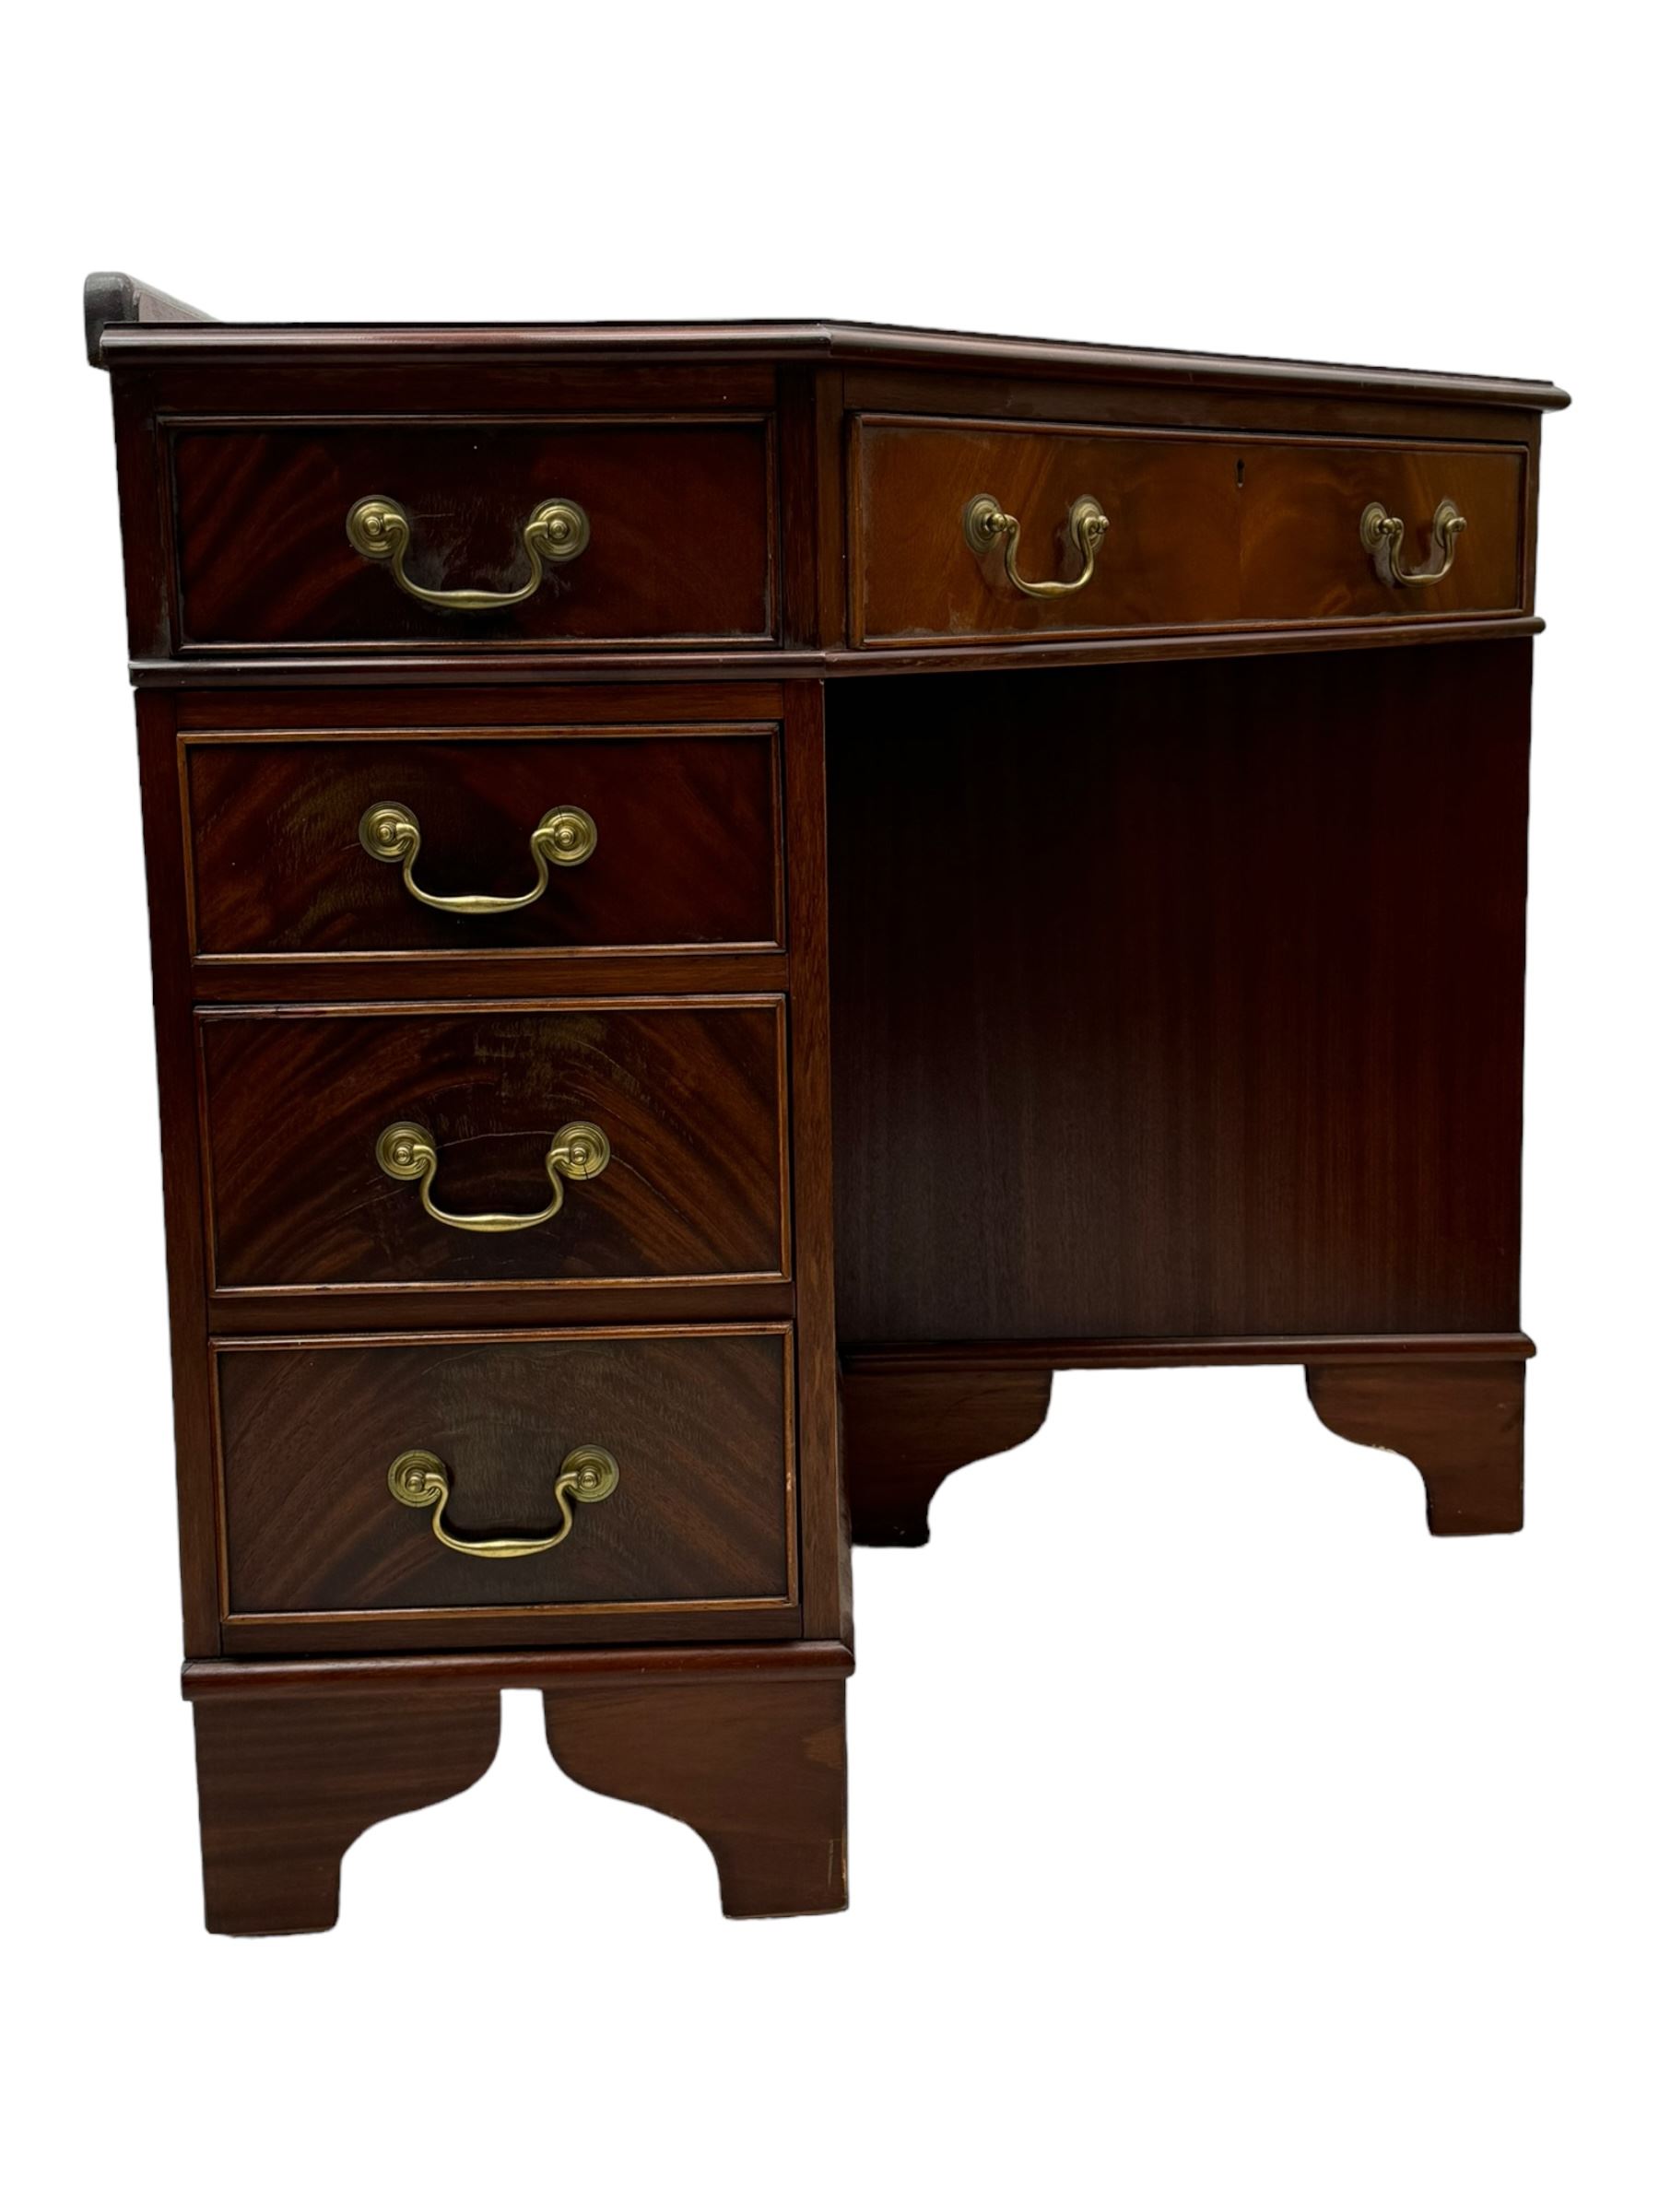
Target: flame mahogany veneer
(1086,943)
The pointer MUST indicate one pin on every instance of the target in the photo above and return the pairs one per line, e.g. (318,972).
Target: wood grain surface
(1461,1425)
(285,1784)
(689,851)
(1180,1001)
(904,1430)
(758,1770)
(690,1096)
(699,1424)
(1202,532)
(680,514)
(1163,1008)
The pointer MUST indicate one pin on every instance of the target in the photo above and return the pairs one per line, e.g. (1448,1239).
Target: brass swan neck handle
(378,528)
(986,523)
(1383,535)
(408,1153)
(588,1474)
(564,838)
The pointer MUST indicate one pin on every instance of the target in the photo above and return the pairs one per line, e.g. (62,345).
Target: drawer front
(697,1424)
(689,1095)
(686,849)
(678,516)
(1168,555)
(1302,557)
(1201,532)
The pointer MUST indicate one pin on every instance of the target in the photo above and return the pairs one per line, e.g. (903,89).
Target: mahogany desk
(725,899)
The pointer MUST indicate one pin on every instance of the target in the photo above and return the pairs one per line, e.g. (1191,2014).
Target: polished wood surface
(537,349)
(703,1517)
(689,1093)
(184,1212)
(1223,1034)
(912,1414)
(1461,1425)
(112,298)
(1300,554)
(976,986)
(759,1771)
(1170,556)
(680,514)
(755,1762)
(234,1313)
(688,851)
(1202,532)
(542,1668)
(287,1786)
(1050,1353)
(827,1581)
(809,383)
(906,1430)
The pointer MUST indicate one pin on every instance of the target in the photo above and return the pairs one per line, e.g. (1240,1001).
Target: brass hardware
(379,530)
(409,1154)
(421,1479)
(985,523)
(1382,534)
(565,837)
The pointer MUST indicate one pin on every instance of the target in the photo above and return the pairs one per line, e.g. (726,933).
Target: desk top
(128,321)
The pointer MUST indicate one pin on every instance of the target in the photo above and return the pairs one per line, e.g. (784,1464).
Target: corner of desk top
(109,296)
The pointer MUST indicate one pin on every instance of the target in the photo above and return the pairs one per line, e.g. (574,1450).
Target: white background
(1218,1839)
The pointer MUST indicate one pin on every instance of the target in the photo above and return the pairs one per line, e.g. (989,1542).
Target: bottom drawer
(506,1439)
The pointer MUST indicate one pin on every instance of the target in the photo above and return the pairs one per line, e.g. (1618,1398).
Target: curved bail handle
(564,838)
(986,523)
(588,1474)
(378,528)
(1383,535)
(408,1153)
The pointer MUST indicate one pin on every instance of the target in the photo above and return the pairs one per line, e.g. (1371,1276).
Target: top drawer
(1201,531)
(625,530)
